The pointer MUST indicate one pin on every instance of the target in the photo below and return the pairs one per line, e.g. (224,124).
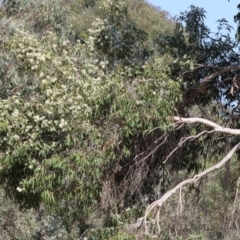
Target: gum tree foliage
(212,85)
(119,40)
(212,80)
(88,126)
(71,131)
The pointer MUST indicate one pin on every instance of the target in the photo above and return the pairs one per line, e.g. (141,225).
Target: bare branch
(154,150)
(209,123)
(183,140)
(197,67)
(157,204)
(205,65)
(220,71)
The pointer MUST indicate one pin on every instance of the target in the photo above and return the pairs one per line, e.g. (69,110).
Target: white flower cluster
(67,83)
(63,123)
(29,50)
(98,26)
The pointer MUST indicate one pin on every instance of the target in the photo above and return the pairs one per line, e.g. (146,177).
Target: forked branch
(216,128)
(158,203)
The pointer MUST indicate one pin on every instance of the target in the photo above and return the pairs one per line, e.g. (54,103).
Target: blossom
(20,189)
(16,137)
(36,118)
(62,123)
(15,113)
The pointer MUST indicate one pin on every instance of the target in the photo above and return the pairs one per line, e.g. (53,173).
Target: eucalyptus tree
(76,130)
(96,125)
(212,82)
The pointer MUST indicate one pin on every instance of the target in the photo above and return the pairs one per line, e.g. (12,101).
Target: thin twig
(183,140)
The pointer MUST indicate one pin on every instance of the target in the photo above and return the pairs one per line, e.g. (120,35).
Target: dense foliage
(86,107)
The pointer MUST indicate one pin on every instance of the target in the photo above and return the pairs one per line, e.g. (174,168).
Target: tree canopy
(107,108)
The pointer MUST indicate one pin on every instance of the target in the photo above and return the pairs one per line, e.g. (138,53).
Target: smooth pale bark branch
(157,204)
(220,71)
(209,123)
(217,128)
